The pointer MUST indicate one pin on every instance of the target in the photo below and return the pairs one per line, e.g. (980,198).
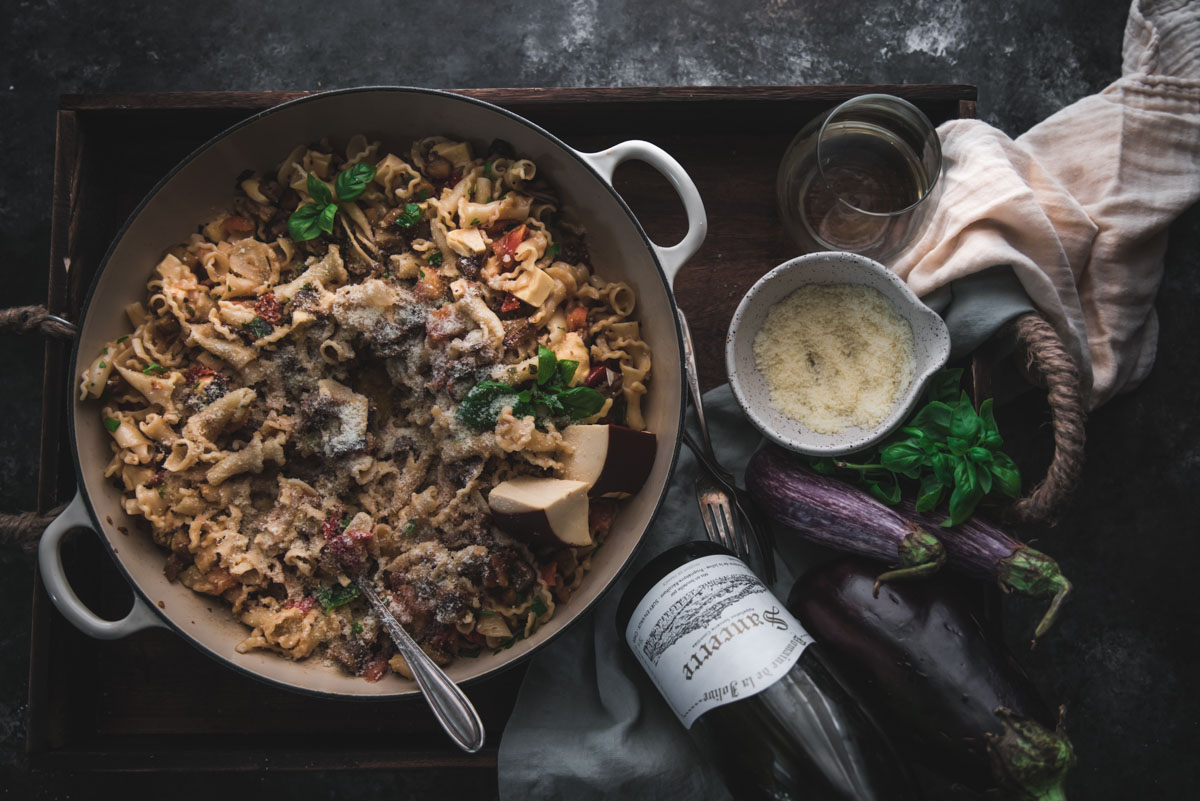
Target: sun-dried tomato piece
(236,225)
(577,318)
(511,303)
(305,604)
(506,246)
(195,373)
(267,308)
(349,549)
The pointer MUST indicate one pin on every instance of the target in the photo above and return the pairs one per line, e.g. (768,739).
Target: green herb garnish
(311,219)
(102,365)
(474,221)
(553,250)
(112,424)
(550,396)
(410,216)
(153,368)
(538,607)
(945,446)
(258,327)
(122,339)
(356,627)
(435,258)
(486,613)
(422,195)
(411,527)
(331,598)
(487,170)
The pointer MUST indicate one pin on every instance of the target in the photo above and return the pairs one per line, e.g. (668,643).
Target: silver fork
(716,513)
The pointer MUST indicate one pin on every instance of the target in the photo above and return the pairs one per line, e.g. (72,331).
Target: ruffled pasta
(282,414)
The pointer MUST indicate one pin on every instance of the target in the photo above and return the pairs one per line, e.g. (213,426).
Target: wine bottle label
(710,633)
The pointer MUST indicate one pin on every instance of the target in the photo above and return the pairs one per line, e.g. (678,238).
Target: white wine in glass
(861,178)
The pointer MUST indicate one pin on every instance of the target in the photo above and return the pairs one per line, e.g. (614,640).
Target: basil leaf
(566,370)
(943,386)
(153,368)
(410,216)
(302,225)
(957,446)
(984,476)
(903,457)
(112,424)
(964,423)
(962,503)
(964,475)
(942,469)
(351,183)
(319,191)
(547,363)
(581,402)
(483,404)
(325,220)
(825,465)
(889,496)
(538,607)
(981,456)
(434,258)
(929,494)
(553,402)
(1008,480)
(332,597)
(934,420)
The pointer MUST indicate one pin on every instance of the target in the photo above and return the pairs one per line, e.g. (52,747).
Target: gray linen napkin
(588,723)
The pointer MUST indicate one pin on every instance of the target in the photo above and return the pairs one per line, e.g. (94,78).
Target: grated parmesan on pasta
(283,413)
(835,356)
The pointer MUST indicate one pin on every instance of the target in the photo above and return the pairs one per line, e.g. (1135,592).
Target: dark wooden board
(151,701)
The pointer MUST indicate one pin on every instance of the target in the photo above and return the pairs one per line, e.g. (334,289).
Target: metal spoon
(450,705)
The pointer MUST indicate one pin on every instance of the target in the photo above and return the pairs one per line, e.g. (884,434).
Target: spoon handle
(450,705)
(693,381)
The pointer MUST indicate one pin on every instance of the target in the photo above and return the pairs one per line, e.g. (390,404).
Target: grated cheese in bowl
(835,356)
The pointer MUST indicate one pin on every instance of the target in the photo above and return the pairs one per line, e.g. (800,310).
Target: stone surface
(1123,656)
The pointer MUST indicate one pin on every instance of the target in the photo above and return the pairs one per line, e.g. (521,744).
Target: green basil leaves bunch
(550,397)
(946,446)
(311,219)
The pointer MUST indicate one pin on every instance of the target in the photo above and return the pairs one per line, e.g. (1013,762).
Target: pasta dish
(381,367)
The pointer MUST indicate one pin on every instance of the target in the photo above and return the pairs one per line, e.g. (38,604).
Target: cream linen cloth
(1079,206)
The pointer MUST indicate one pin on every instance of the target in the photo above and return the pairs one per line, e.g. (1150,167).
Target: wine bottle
(748,683)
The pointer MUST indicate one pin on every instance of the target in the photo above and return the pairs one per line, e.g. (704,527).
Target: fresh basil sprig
(311,219)
(550,397)
(945,446)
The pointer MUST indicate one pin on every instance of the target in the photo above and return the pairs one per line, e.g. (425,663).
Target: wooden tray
(151,702)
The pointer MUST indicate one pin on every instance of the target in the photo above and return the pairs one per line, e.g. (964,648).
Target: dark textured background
(1123,658)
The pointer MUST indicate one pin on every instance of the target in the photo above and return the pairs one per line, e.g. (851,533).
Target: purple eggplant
(922,661)
(979,549)
(832,513)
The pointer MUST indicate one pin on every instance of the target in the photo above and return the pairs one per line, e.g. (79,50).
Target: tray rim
(72,111)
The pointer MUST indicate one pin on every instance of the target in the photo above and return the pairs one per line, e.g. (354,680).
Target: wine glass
(861,178)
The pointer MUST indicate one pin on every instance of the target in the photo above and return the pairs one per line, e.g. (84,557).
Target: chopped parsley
(331,598)
(112,424)
(410,216)
(258,327)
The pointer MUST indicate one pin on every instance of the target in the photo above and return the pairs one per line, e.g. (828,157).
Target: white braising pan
(204,183)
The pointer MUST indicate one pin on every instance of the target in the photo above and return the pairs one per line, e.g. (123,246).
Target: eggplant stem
(1033,573)
(1029,761)
(921,554)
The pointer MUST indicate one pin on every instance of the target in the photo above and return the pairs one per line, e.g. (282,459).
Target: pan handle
(50,563)
(605,162)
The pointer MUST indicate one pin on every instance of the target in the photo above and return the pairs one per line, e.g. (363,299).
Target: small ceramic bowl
(930,338)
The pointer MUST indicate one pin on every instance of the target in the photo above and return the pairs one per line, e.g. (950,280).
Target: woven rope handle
(23,529)
(1047,357)
(33,319)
